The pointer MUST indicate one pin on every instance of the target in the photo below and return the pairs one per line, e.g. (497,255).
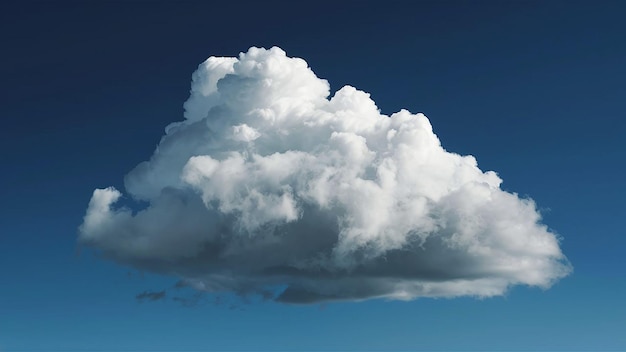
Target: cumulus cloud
(270,184)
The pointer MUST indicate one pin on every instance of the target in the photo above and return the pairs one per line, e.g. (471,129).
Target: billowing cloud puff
(270,185)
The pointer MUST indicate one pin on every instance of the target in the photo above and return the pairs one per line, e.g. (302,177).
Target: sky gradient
(534,90)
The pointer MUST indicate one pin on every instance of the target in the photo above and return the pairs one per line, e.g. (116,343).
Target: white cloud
(268,182)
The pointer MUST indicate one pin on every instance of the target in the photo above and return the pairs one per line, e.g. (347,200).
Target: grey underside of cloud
(269,184)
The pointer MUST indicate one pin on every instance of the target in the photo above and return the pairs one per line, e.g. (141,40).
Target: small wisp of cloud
(150,296)
(272,186)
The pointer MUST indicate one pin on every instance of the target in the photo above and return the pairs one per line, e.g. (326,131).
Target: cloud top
(270,184)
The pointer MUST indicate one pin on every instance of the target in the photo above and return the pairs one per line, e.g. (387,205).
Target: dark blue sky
(534,90)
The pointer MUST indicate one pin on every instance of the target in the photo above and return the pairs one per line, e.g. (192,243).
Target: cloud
(150,296)
(190,301)
(270,185)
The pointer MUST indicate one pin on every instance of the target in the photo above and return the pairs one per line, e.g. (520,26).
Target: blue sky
(534,90)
